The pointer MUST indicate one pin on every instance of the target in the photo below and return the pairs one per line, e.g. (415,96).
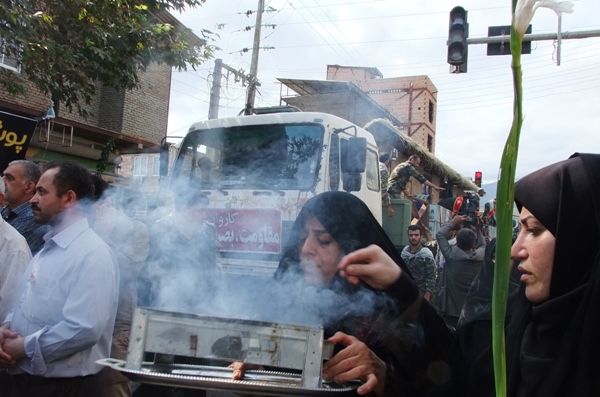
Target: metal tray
(268,383)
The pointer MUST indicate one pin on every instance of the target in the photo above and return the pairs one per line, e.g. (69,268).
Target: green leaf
(505,205)
(104,155)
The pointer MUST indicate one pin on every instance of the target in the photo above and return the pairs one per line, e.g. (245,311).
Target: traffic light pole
(458,39)
(536,37)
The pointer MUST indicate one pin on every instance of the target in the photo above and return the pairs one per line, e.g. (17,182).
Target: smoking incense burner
(298,351)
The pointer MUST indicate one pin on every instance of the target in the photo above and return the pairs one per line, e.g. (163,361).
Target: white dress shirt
(14,257)
(67,304)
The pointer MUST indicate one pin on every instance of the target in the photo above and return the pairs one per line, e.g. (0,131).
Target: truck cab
(258,171)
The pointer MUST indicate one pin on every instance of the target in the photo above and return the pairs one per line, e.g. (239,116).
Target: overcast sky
(402,38)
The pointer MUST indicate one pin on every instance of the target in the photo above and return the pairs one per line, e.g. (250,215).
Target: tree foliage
(68,48)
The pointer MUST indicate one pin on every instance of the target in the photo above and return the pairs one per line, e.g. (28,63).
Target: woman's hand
(356,361)
(371,265)
(239,369)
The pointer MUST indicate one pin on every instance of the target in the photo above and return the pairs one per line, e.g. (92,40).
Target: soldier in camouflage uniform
(401,175)
(420,262)
(384,175)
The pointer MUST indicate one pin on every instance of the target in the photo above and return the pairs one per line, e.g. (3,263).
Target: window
(140,166)
(9,61)
(372,170)
(268,156)
(431,110)
(156,166)
(430,143)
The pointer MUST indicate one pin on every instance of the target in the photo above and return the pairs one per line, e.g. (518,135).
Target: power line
(316,31)
(343,35)
(362,2)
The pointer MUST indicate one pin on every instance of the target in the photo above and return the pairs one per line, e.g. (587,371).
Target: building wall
(93,109)
(140,113)
(412,99)
(146,110)
(111,108)
(356,75)
(34,99)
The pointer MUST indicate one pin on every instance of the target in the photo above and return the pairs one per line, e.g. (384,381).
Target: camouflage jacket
(422,267)
(384,175)
(400,177)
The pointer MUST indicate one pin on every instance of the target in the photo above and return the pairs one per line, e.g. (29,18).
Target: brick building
(412,99)
(137,119)
(400,112)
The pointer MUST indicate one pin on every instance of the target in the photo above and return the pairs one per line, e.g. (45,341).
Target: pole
(536,37)
(215,91)
(254,65)
(558,40)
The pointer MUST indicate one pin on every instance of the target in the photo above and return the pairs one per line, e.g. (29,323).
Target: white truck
(258,171)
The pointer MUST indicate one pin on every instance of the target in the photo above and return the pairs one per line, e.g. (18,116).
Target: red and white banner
(257,231)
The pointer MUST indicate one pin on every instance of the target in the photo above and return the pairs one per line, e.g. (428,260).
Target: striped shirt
(21,218)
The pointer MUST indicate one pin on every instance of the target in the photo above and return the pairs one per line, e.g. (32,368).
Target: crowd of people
(403,330)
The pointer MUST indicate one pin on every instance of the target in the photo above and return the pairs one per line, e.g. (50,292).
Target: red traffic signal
(478,178)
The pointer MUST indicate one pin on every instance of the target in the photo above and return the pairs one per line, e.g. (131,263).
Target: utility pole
(254,65)
(215,91)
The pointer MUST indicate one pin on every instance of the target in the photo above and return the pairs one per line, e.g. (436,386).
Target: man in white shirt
(14,257)
(67,299)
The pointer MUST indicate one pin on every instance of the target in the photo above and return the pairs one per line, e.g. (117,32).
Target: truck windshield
(272,156)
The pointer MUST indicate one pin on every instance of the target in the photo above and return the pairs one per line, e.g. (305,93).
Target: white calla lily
(526,8)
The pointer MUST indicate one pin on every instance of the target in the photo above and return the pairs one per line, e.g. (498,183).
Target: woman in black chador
(552,344)
(371,326)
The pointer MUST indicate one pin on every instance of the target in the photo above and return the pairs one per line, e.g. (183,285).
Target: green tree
(68,48)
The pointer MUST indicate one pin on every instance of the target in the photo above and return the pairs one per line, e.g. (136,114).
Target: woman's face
(535,249)
(320,254)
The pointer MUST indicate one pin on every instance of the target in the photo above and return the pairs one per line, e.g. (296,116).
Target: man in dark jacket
(463,262)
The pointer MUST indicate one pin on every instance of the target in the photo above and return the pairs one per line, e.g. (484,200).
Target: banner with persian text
(15,135)
(244,230)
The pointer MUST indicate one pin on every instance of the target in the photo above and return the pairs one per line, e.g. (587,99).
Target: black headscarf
(553,348)
(343,306)
(401,328)
(347,219)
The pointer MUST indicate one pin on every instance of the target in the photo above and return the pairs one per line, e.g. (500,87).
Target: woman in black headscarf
(389,335)
(552,345)
(347,219)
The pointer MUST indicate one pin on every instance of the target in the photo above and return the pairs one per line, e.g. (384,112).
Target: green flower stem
(505,204)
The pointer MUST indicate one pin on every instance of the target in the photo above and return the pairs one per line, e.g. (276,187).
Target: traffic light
(478,178)
(458,33)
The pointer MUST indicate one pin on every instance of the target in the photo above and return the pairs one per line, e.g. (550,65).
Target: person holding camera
(463,262)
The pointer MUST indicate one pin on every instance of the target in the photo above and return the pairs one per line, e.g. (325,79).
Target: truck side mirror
(164,159)
(356,156)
